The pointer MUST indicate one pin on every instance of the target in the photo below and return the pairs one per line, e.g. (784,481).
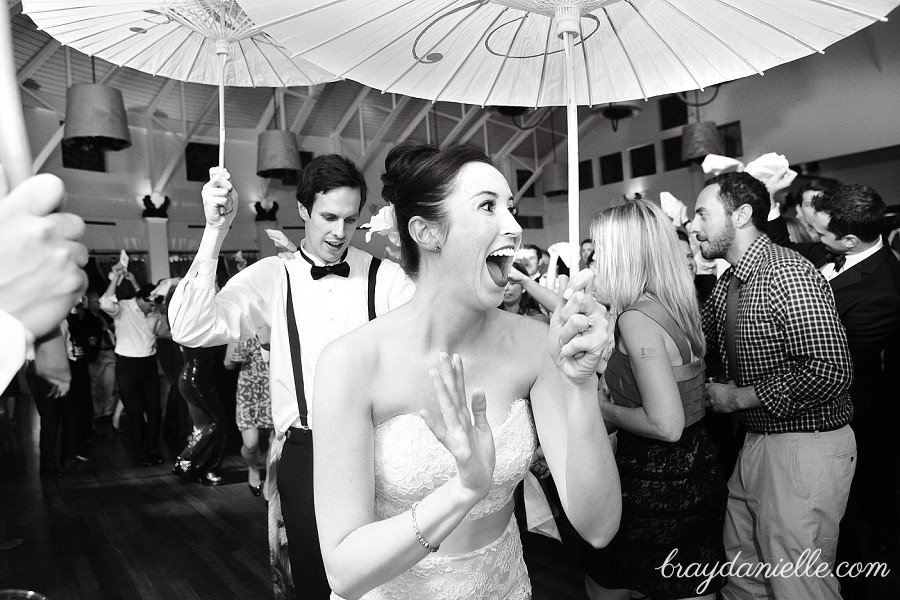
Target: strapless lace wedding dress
(410,463)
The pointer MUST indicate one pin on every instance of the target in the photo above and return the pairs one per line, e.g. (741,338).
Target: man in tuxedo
(307,299)
(865,278)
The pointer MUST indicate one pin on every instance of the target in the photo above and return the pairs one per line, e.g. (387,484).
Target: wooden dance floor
(112,530)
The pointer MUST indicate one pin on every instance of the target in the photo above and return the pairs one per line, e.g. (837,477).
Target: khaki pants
(787,494)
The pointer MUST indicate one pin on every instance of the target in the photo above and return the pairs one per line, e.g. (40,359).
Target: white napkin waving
(674,208)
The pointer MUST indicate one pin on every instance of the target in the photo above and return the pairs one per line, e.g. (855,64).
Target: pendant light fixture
(95,117)
(278,155)
(555,176)
(700,138)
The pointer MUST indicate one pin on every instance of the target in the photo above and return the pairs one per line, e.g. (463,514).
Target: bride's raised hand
(466,434)
(580,329)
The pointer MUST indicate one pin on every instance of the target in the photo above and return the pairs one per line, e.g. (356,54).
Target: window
(730,135)
(199,159)
(86,158)
(530,222)
(672,154)
(672,112)
(611,169)
(521,177)
(643,161)
(585,174)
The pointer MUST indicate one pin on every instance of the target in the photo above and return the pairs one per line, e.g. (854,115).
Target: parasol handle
(222,51)
(572,123)
(15,153)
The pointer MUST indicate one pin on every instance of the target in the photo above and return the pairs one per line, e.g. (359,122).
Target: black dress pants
(206,447)
(139,388)
(54,413)
(295,484)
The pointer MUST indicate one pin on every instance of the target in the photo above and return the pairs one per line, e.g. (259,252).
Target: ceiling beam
(551,156)
(462,124)
(476,126)
(382,132)
(163,91)
(43,102)
(15,9)
(37,61)
(351,111)
(414,122)
(266,116)
(178,157)
(309,103)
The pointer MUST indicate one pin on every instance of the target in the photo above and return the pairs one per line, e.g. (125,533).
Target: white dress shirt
(325,310)
(827,270)
(135,331)
(18,344)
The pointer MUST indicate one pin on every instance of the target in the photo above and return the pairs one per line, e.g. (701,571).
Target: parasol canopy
(556,52)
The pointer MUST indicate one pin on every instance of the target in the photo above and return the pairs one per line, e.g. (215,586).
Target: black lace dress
(673,493)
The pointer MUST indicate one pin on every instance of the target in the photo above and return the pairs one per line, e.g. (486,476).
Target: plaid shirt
(791,346)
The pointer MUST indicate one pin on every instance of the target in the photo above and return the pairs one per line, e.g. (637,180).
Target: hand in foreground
(466,435)
(41,260)
(539,464)
(580,330)
(720,397)
(220,199)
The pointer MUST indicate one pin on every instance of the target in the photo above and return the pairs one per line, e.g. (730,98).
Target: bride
(416,459)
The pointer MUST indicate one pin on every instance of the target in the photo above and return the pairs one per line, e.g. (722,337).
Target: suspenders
(294,337)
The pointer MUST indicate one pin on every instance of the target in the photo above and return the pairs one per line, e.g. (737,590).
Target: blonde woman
(673,492)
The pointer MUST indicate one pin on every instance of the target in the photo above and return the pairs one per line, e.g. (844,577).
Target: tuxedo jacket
(867,298)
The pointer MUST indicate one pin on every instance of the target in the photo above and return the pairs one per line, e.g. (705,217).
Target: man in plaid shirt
(773,319)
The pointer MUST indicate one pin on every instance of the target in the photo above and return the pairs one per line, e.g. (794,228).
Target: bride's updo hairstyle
(416,181)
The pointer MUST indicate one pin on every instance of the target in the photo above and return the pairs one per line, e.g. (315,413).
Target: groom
(329,289)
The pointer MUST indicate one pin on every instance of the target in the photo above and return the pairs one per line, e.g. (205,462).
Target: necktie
(731,308)
(838,260)
(340,269)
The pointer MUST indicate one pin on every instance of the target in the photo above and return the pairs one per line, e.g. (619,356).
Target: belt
(822,430)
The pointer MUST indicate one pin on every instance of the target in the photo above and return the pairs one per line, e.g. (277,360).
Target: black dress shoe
(256,490)
(210,478)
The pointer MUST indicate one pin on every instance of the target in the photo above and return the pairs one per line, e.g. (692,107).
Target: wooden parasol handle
(15,153)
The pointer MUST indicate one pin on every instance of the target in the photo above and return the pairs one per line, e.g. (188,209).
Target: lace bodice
(410,462)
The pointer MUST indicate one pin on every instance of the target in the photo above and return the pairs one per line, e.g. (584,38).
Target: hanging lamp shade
(698,140)
(555,177)
(277,154)
(95,118)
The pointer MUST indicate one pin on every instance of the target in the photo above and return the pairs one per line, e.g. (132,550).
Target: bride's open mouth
(499,263)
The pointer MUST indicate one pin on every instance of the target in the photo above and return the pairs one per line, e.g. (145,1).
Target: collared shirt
(325,310)
(827,269)
(791,345)
(135,331)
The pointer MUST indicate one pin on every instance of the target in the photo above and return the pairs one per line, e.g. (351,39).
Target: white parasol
(556,52)
(197,41)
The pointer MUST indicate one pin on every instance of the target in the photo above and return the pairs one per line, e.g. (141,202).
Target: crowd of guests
(685,415)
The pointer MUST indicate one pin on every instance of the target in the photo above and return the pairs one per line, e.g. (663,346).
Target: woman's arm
(359,552)
(661,415)
(568,418)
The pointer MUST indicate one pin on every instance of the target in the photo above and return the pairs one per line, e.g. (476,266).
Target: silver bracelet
(415,525)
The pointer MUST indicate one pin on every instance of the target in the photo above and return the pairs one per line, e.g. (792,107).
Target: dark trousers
(139,388)
(295,484)
(54,412)
(80,395)
(206,447)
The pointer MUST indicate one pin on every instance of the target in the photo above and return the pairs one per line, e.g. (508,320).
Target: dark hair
(682,235)
(125,290)
(817,185)
(537,249)
(326,173)
(144,292)
(416,181)
(856,209)
(737,189)
(585,241)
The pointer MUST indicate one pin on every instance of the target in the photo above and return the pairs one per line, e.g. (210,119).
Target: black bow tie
(838,260)
(341,269)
